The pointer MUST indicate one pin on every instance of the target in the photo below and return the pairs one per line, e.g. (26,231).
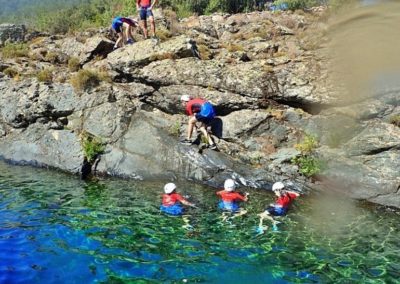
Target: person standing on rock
(200,111)
(145,8)
(281,205)
(124,28)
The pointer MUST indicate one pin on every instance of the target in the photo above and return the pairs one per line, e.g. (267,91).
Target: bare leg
(152,26)
(266,215)
(191,125)
(119,41)
(186,220)
(143,24)
(206,134)
(131,32)
(240,213)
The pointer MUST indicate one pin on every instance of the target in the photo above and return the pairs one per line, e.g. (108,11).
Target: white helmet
(278,186)
(169,187)
(185,98)
(229,185)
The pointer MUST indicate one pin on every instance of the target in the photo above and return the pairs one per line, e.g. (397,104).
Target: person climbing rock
(200,111)
(145,8)
(124,28)
(281,205)
(230,198)
(171,201)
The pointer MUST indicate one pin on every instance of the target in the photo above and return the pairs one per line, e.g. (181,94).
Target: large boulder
(12,33)
(60,149)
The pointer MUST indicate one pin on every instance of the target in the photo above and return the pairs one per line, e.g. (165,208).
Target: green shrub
(92,146)
(308,145)
(175,129)
(14,50)
(73,64)
(85,80)
(308,165)
(395,120)
(45,76)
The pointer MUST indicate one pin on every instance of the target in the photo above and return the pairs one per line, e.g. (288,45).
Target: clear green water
(55,228)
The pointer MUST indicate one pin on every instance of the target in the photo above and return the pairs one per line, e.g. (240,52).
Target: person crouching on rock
(201,111)
(229,199)
(281,205)
(124,28)
(171,201)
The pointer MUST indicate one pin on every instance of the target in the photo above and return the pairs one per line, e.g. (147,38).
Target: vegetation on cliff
(60,16)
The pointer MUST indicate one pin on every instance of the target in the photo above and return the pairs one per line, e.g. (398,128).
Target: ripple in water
(57,229)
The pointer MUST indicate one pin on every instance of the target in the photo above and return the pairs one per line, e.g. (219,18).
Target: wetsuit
(171,204)
(229,200)
(282,204)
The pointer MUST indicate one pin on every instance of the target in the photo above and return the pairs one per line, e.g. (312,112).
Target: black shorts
(205,120)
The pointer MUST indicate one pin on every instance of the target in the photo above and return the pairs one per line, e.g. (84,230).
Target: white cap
(278,186)
(169,187)
(229,185)
(185,98)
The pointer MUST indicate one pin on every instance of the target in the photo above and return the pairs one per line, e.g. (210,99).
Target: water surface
(55,228)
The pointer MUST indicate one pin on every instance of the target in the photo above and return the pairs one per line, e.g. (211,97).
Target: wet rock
(47,148)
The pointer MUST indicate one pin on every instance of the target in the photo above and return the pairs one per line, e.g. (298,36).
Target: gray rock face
(46,148)
(12,33)
(267,89)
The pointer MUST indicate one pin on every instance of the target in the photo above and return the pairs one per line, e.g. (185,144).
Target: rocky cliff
(279,114)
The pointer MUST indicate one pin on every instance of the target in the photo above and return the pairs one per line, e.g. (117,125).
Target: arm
(296,194)
(241,197)
(185,202)
(154,3)
(138,5)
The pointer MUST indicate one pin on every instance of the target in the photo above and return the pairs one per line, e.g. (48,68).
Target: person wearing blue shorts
(172,201)
(145,8)
(201,111)
(123,27)
(281,205)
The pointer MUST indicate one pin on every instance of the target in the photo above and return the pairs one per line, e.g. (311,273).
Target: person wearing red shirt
(171,201)
(145,8)
(229,199)
(201,111)
(281,205)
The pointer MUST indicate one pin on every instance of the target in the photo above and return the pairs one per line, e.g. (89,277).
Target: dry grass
(85,80)
(162,56)
(231,47)
(204,51)
(51,57)
(45,75)
(37,40)
(163,34)
(73,64)
(11,72)
(14,50)
(395,120)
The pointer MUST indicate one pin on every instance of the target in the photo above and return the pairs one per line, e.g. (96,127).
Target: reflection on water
(57,229)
